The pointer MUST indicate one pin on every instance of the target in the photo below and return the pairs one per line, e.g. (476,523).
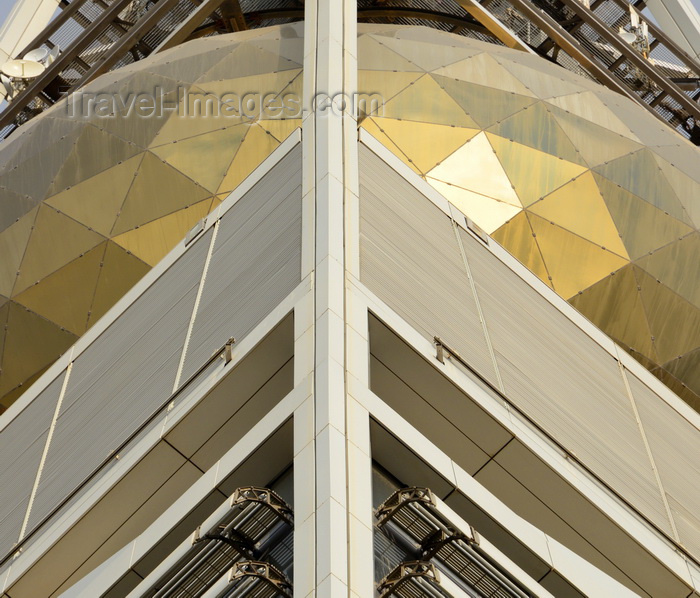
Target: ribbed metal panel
(551,369)
(21,445)
(121,379)
(675,445)
(256,262)
(564,380)
(409,257)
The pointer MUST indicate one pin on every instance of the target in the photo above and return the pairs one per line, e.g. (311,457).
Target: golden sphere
(587,189)
(96,190)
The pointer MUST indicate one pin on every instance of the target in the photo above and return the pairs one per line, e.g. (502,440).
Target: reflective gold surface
(581,185)
(89,204)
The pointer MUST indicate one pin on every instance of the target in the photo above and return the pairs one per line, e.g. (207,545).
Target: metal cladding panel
(564,381)
(675,445)
(21,445)
(255,264)
(121,379)
(551,369)
(410,258)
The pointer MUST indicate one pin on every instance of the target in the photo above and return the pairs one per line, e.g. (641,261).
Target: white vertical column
(304,452)
(359,460)
(330,189)
(360,519)
(331,458)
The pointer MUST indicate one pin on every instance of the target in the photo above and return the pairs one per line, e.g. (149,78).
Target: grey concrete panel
(675,446)
(410,258)
(22,443)
(565,381)
(255,264)
(551,369)
(126,375)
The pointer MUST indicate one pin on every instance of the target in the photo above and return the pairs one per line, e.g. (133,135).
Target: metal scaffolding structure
(606,40)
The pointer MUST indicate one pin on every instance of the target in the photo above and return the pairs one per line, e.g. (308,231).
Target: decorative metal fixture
(258,579)
(414,579)
(422,529)
(240,544)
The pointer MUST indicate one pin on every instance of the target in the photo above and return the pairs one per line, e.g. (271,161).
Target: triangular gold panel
(541,84)
(120,271)
(595,144)
(687,369)
(428,56)
(43,165)
(199,111)
(13,244)
(425,101)
(476,167)
(152,241)
(65,296)
(615,305)
(533,173)
(23,356)
(186,66)
(97,201)
(83,163)
(14,207)
(425,144)
(55,241)
(257,145)
(516,236)
(488,71)
(158,190)
(687,189)
(373,127)
(588,106)
(374,54)
(204,158)
(578,207)
(484,104)
(387,83)
(573,263)
(278,128)
(642,226)
(488,213)
(640,174)
(677,266)
(246,60)
(673,321)
(535,127)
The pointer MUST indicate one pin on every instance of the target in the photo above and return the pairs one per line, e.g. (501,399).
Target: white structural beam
(341,520)
(679,20)
(581,574)
(205,488)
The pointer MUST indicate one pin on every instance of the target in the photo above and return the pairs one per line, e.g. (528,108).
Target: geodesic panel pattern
(95,191)
(584,187)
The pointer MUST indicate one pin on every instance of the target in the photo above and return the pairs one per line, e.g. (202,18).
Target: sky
(5,6)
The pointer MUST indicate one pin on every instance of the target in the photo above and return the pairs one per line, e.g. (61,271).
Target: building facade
(337,383)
